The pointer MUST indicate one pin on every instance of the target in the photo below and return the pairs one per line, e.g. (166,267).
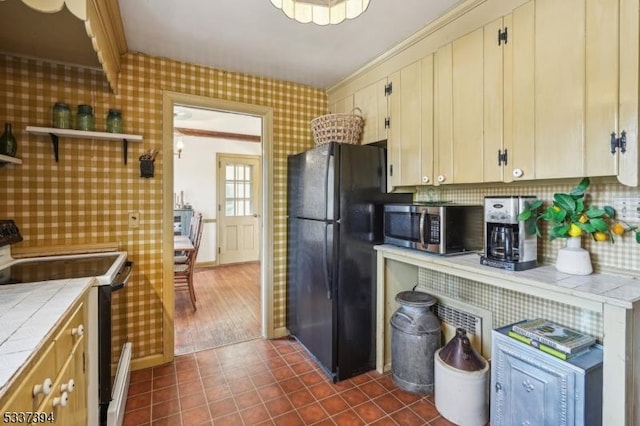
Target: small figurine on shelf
(146,163)
(8,143)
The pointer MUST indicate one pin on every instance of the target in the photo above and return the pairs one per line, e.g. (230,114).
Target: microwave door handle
(423,218)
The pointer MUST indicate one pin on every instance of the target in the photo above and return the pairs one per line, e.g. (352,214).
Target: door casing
(169,100)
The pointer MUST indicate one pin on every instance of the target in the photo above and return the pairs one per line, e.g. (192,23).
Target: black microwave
(444,228)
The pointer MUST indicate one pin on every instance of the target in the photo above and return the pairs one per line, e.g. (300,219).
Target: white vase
(573,259)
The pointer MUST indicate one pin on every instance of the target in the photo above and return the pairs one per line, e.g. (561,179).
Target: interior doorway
(263,269)
(217,173)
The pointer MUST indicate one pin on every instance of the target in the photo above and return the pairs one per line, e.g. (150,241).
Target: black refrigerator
(335,199)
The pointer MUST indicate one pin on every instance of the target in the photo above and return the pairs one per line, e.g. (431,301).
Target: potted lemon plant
(571,218)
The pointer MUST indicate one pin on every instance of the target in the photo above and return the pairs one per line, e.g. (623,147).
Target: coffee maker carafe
(509,243)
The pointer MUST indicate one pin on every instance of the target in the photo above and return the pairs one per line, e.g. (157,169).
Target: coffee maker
(509,243)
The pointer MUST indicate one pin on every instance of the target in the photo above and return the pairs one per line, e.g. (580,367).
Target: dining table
(182,243)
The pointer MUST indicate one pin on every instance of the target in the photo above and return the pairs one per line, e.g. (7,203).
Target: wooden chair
(194,227)
(183,271)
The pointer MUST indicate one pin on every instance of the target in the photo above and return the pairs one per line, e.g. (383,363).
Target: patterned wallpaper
(85,197)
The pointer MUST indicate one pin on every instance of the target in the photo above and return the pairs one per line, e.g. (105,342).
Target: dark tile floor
(264,382)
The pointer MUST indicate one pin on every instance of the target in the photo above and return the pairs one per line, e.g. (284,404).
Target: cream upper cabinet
(342,106)
(519,105)
(469,107)
(559,88)
(545,101)
(372,102)
(586,66)
(427,120)
(629,63)
(611,92)
(410,142)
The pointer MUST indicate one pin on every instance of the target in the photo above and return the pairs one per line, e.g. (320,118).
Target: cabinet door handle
(68,387)
(441,178)
(77,331)
(498,387)
(61,401)
(44,388)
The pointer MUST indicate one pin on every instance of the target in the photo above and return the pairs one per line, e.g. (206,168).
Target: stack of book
(552,338)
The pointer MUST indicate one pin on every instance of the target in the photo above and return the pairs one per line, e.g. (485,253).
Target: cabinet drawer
(64,414)
(68,336)
(22,398)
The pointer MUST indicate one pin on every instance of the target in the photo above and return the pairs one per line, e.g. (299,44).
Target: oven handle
(118,285)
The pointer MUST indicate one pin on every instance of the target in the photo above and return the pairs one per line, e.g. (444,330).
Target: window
(238,190)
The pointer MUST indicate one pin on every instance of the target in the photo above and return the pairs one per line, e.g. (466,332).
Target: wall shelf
(6,159)
(55,134)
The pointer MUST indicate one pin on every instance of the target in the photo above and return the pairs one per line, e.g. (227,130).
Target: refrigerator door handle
(325,258)
(330,183)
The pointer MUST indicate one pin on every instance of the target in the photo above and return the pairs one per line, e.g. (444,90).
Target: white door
(238,208)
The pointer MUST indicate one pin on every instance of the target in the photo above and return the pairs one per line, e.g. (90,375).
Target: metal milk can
(415,336)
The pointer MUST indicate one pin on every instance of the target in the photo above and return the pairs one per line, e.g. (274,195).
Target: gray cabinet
(181,221)
(530,387)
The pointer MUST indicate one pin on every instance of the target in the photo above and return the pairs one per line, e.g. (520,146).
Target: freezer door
(311,310)
(312,183)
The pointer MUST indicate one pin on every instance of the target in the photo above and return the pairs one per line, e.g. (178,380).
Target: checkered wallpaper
(85,197)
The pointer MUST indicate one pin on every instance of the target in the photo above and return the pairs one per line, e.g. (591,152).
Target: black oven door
(112,334)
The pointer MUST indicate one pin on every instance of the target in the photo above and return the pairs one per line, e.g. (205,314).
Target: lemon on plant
(574,230)
(617,228)
(600,236)
(583,219)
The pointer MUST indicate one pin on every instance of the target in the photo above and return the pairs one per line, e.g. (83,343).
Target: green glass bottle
(8,143)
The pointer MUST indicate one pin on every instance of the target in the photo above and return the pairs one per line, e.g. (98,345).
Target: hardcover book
(557,336)
(544,348)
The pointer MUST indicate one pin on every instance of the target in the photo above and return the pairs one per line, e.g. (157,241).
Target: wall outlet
(134,220)
(627,209)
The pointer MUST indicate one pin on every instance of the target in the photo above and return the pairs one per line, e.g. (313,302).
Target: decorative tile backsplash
(621,257)
(508,306)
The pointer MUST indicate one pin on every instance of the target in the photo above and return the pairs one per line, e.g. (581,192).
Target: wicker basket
(342,128)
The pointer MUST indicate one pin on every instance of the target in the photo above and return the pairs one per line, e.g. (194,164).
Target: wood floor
(228,308)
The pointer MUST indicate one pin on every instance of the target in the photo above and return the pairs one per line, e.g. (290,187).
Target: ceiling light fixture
(321,12)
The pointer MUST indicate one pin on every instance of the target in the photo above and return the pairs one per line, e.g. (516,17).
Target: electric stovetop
(29,271)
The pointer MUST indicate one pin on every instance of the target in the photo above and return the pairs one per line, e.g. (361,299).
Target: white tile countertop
(611,289)
(28,314)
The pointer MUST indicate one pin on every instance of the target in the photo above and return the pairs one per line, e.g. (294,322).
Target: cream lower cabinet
(410,142)
(372,102)
(53,386)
